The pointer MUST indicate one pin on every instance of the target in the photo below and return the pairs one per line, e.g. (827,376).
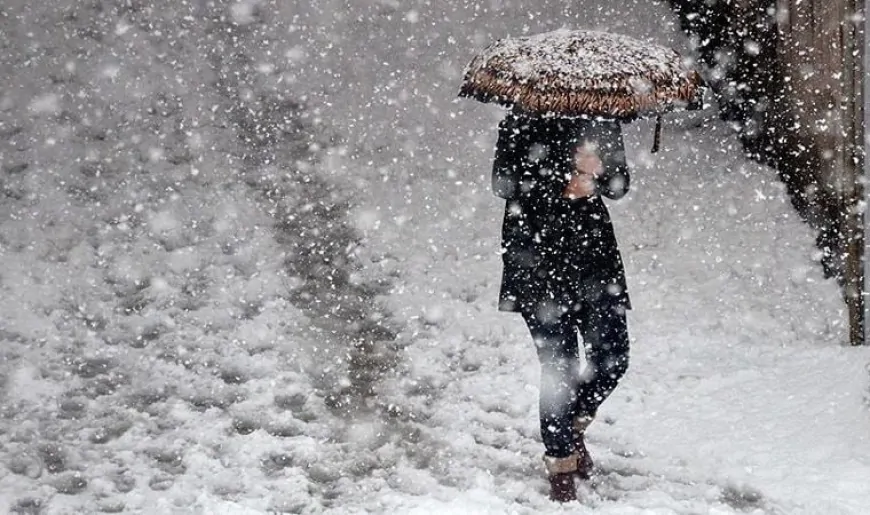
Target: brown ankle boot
(584,461)
(560,472)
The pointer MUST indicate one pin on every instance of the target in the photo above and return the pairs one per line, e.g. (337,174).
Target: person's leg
(558,352)
(605,337)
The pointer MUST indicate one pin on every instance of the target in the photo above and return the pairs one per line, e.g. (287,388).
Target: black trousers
(565,392)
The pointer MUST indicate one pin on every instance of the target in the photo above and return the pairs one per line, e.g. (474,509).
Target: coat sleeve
(506,165)
(529,160)
(615,180)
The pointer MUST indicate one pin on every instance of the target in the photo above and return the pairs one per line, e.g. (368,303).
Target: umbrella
(583,73)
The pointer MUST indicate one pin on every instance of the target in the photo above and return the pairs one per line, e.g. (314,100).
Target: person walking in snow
(563,271)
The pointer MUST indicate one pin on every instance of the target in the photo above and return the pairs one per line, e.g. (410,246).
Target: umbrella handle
(657,135)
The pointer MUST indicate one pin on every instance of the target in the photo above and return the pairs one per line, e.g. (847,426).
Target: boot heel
(560,473)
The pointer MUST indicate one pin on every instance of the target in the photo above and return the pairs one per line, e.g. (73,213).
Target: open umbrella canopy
(582,73)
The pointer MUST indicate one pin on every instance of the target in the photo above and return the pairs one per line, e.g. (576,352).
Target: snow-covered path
(740,396)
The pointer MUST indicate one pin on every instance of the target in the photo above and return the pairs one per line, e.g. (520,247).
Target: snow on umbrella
(583,73)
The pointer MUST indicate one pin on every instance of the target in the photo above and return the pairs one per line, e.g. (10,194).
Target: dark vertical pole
(864,141)
(852,37)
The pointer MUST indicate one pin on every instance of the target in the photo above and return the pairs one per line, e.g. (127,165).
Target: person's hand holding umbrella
(587,168)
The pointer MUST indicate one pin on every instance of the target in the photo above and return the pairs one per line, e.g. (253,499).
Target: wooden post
(863,139)
(821,51)
(866,144)
(852,37)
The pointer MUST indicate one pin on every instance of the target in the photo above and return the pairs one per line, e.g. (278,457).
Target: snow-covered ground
(172,341)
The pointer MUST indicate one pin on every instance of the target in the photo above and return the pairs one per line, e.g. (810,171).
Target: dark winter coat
(557,252)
